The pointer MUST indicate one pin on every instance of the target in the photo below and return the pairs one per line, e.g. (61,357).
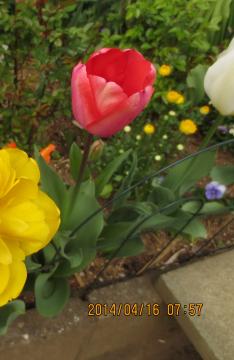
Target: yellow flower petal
(7,174)
(24,166)
(5,254)
(51,212)
(15,283)
(4,276)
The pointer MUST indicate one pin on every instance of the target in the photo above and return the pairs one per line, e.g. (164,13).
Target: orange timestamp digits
(136,309)
(124,309)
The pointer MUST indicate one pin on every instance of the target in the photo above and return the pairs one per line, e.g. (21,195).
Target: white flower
(138,137)
(5,47)
(158,157)
(127,129)
(172,113)
(165,137)
(231,131)
(180,147)
(219,81)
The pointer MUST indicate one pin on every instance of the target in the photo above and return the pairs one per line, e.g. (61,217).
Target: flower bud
(96,150)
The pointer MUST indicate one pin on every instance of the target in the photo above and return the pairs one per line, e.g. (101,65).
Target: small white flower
(5,47)
(158,157)
(138,137)
(165,137)
(231,131)
(180,147)
(172,113)
(127,129)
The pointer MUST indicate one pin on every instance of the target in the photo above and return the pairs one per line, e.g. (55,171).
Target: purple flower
(214,190)
(223,129)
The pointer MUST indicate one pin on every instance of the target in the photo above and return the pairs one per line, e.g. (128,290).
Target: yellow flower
(187,127)
(165,70)
(180,100)
(28,219)
(149,129)
(204,110)
(175,97)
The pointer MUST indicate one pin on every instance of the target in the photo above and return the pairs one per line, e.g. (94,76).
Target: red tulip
(111,89)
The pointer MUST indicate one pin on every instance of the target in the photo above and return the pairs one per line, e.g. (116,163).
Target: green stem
(84,160)
(211,132)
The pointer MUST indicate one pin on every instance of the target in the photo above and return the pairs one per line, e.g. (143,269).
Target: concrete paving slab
(210,282)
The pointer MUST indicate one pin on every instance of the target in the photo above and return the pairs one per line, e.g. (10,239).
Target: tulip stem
(84,160)
(211,131)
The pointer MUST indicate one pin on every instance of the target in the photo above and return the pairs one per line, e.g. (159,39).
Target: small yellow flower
(165,70)
(149,129)
(187,127)
(204,110)
(175,97)
(180,100)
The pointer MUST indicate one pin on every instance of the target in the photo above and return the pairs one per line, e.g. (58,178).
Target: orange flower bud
(47,151)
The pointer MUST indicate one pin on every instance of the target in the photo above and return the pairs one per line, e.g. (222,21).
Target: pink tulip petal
(110,65)
(108,95)
(123,115)
(137,73)
(83,101)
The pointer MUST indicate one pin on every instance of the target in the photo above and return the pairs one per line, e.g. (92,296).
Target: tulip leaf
(110,169)
(75,156)
(195,82)
(9,313)
(51,294)
(51,182)
(185,175)
(79,249)
(115,235)
(223,174)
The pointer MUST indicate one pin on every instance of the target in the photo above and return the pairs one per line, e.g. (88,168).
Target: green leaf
(185,175)
(31,265)
(161,196)
(51,294)
(195,229)
(9,312)
(195,82)
(75,157)
(133,247)
(131,212)
(110,169)
(210,208)
(114,234)
(79,250)
(223,174)
(51,183)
